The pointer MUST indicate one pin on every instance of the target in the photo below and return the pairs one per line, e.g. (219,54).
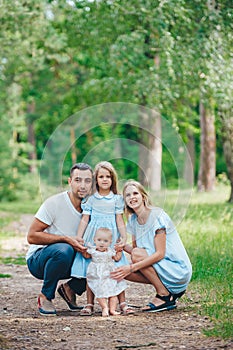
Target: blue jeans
(53,263)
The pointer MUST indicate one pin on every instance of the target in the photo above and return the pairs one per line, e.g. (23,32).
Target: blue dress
(102,211)
(174,269)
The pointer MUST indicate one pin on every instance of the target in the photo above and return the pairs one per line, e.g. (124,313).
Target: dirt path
(21,327)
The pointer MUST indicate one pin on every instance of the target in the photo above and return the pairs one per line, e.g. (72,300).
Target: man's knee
(64,253)
(138,254)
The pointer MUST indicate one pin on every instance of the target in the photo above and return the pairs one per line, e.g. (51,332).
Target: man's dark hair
(80,166)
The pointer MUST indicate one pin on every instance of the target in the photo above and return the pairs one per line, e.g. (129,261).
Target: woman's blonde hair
(145,196)
(107,166)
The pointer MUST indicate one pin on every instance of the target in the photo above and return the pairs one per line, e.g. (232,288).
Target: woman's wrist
(128,248)
(131,268)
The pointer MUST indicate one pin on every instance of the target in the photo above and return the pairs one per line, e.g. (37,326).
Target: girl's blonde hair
(107,166)
(105,230)
(145,196)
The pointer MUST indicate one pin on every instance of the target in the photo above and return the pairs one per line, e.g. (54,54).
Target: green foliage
(20,260)
(71,55)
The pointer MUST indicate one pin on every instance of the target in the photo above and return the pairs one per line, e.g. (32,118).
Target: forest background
(122,69)
(60,57)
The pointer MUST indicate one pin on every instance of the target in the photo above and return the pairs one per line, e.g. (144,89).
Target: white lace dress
(98,274)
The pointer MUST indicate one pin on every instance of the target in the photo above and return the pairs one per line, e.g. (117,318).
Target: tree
(206,175)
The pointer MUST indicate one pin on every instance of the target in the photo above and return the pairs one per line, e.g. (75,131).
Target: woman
(157,252)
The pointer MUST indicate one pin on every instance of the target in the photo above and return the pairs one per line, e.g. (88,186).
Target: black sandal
(178,295)
(62,293)
(167,305)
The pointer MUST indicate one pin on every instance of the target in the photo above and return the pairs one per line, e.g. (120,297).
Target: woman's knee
(138,254)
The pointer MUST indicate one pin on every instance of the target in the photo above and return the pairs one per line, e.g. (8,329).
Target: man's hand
(78,245)
(80,240)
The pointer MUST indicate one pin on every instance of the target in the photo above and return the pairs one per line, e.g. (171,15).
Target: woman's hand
(121,272)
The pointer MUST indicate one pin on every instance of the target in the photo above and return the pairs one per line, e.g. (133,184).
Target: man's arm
(37,235)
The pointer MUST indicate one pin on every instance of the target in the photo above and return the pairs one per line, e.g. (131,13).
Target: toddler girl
(99,281)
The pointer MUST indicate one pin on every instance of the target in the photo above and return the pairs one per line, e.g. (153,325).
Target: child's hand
(118,249)
(89,245)
(119,245)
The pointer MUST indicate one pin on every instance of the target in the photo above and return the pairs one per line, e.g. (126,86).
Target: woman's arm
(160,247)
(128,248)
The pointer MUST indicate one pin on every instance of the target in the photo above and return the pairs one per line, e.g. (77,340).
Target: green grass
(207,235)
(206,231)
(5,275)
(19,260)
(20,207)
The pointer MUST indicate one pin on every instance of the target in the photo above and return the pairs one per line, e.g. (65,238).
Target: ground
(23,328)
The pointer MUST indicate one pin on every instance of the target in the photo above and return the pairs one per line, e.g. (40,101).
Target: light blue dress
(175,269)
(102,211)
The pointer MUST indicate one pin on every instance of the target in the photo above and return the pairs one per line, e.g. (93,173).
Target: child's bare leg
(90,296)
(121,297)
(89,307)
(104,306)
(112,302)
(126,310)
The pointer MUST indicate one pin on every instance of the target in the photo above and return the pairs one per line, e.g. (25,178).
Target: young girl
(103,209)
(157,251)
(99,281)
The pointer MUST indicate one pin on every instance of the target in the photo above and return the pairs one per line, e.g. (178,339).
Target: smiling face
(133,197)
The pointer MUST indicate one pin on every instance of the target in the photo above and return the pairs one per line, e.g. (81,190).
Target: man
(53,244)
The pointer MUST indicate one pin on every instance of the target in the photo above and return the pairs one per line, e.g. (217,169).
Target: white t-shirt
(59,213)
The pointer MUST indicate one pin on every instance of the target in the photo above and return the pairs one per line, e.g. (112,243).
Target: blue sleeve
(165,222)
(86,206)
(119,204)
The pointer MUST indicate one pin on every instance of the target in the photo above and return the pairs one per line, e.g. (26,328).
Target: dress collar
(109,196)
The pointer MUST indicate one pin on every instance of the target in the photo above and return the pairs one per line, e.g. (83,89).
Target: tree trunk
(31,138)
(73,147)
(207,167)
(227,128)
(143,151)
(155,155)
(189,170)
(150,152)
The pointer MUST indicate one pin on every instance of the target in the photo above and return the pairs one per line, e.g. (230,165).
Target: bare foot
(114,313)
(105,312)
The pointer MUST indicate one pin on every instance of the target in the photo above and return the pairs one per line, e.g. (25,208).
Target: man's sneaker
(70,303)
(46,307)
